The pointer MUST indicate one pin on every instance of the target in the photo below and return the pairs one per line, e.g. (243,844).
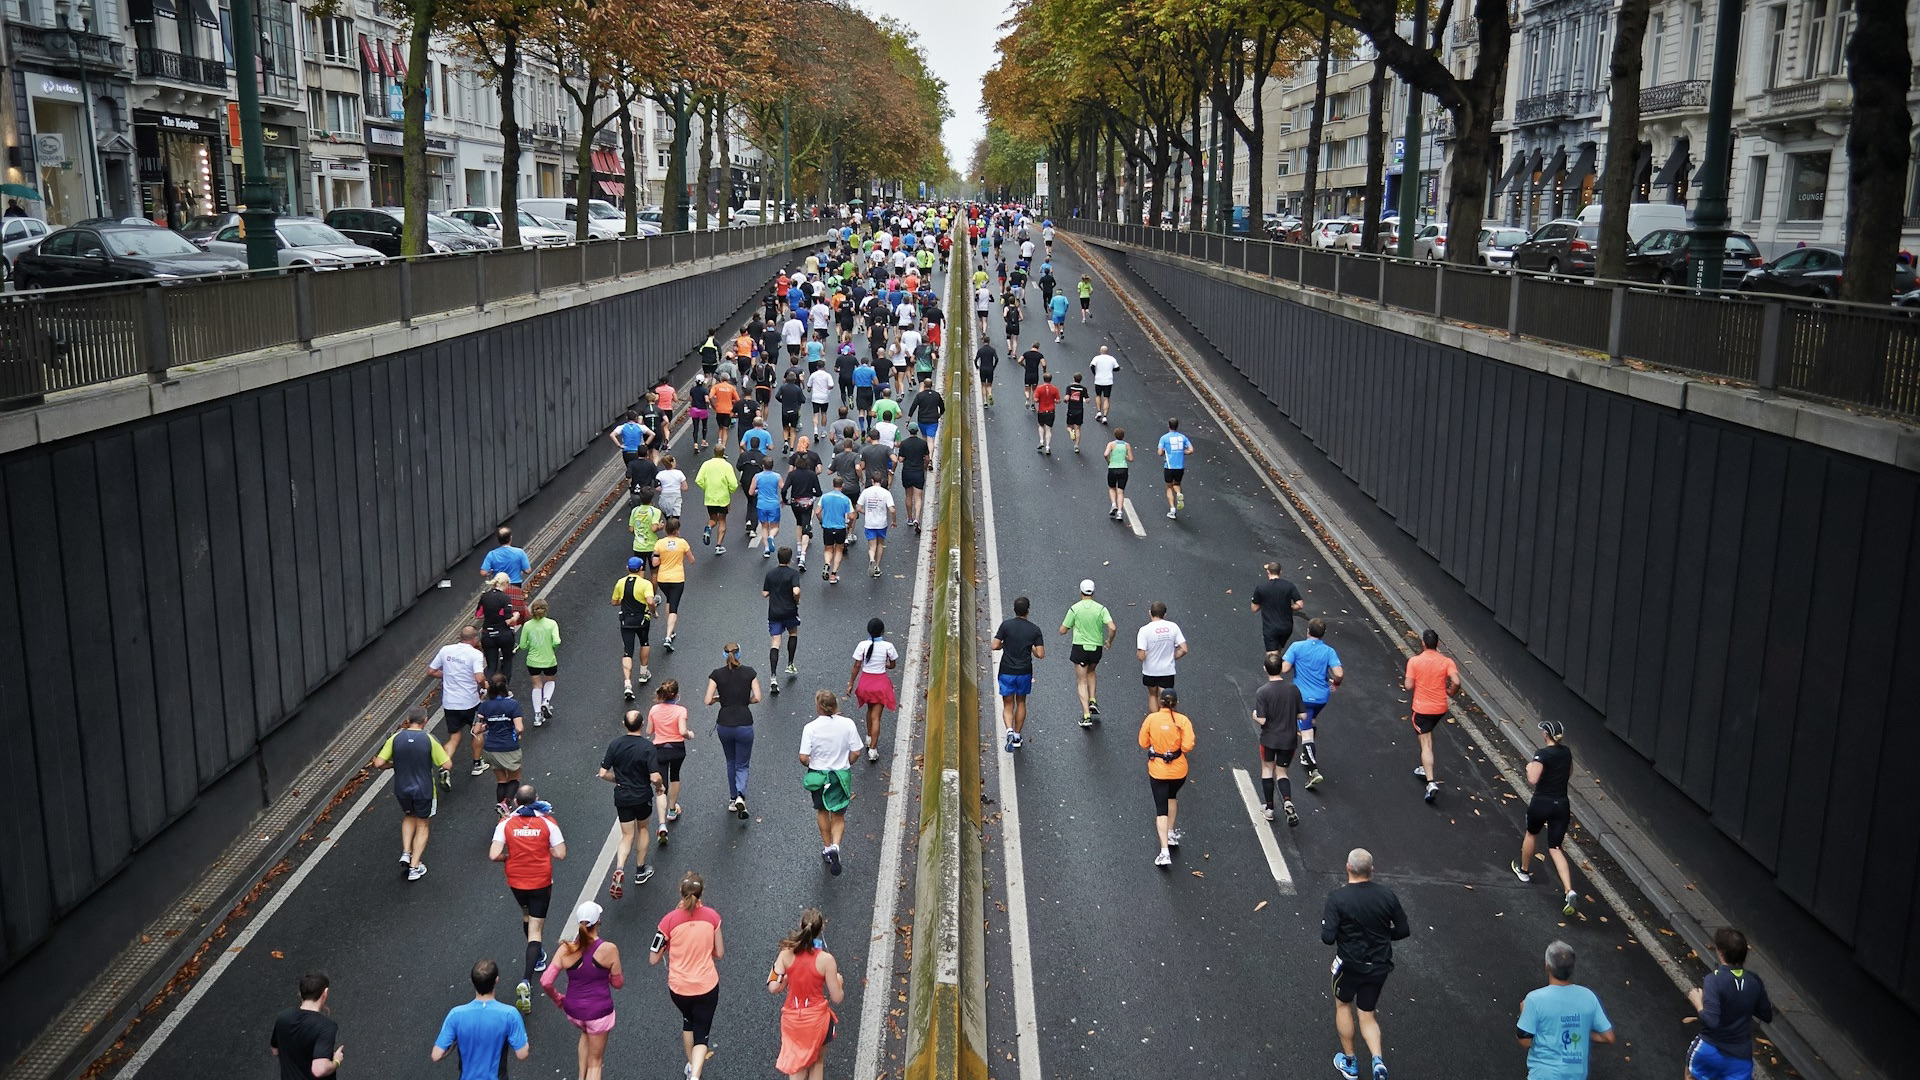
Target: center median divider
(947,1004)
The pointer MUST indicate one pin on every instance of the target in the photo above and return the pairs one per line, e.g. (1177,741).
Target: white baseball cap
(588,914)
(1086,586)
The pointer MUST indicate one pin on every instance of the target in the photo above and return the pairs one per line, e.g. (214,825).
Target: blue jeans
(737,744)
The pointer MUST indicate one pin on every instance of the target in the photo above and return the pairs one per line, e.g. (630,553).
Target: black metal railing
(1689,94)
(1856,354)
(63,339)
(180,68)
(1554,105)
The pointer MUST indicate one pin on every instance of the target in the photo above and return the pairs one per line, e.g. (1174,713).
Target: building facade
(69,126)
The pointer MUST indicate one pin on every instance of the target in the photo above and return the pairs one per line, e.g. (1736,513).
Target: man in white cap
(1092,628)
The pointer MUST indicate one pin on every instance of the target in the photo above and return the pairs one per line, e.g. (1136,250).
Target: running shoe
(767,552)
(617,887)
(673,812)
(662,836)
(825,574)
(644,874)
(1379,1069)
(833,861)
(1171,515)
(668,644)
(540,965)
(1433,791)
(629,691)
(1174,836)
(538,720)
(1419,772)
(1076,448)
(546,711)
(1571,897)
(1313,779)
(720,549)
(776,687)
(873,754)
(646,676)
(1347,1067)
(504,808)
(1163,859)
(1293,816)
(523,998)
(1514,865)
(1086,720)
(1041,449)
(479,767)
(1180,500)
(741,809)
(792,670)
(1093,707)
(706,535)
(406,856)
(835,579)
(876,571)
(415,873)
(1268,812)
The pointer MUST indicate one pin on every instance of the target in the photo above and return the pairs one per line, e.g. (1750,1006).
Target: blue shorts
(1706,1062)
(784,626)
(876,534)
(1312,710)
(768,515)
(1016,685)
(1060,320)
(931,431)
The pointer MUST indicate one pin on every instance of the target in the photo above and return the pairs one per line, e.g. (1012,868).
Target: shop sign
(58,88)
(385,136)
(346,170)
(170,122)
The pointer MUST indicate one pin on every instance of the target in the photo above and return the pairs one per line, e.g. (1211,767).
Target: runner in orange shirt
(725,396)
(1432,676)
(1167,737)
(689,941)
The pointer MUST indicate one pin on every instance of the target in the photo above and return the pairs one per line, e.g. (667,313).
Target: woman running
(592,966)
(808,974)
(1119,454)
(1167,737)
(734,687)
(699,408)
(673,486)
(668,722)
(869,683)
(539,639)
(689,941)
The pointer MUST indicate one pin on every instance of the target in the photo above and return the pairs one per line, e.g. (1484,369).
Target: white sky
(958,36)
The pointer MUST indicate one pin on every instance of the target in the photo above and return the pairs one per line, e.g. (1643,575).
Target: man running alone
(1092,630)
(1433,677)
(1019,643)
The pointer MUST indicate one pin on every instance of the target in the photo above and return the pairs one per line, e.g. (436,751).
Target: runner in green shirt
(1086,298)
(539,637)
(1092,628)
(886,409)
(717,481)
(644,523)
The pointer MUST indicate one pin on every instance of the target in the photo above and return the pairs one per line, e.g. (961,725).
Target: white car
(1497,243)
(1431,242)
(605,221)
(534,232)
(303,241)
(1337,233)
(18,235)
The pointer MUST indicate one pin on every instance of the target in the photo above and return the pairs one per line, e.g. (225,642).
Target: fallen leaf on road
(278,955)
(1259,905)
(1197,873)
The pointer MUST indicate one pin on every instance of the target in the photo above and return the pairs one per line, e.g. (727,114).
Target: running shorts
(1161,682)
(1076,416)
(716,513)
(1164,792)
(1545,812)
(723,420)
(766,515)
(696,1012)
(634,638)
(1706,1061)
(1360,991)
(833,537)
(1084,301)
(1281,755)
(1312,709)
(1016,685)
(459,720)
(1424,723)
(910,478)
(503,760)
(544,670)
(776,627)
(1046,420)
(1086,655)
(667,758)
(1173,476)
(535,901)
(876,534)
(671,592)
(633,809)
(1276,642)
(1033,378)
(416,806)
(1117,479)
(791,420)
(875,688)
(1104,390)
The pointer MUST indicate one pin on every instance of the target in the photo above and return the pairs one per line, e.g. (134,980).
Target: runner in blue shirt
(630,437)
(1057,314)
(1560,1021)
(836,511)
(506,559)
(1173,465)
(758,437)
(483,1029)
(766,508)
(864,376)
(1316,672)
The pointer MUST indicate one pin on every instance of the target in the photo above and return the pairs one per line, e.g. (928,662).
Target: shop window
(1807,185)
(1757,187)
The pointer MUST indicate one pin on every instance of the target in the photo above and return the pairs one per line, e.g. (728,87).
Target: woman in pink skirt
(592,967)
(869,682)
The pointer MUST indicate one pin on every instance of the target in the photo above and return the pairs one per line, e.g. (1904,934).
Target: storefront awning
(141,12)
(1533,166)
(613,187)
(399,62)
(606,161)
(1583,165)
(1554,168)
(1676,161)
(1512,174)
(1643,164)
(203,12)
(369,59)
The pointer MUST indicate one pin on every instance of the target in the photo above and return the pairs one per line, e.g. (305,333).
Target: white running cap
(588,914)
(1086,586)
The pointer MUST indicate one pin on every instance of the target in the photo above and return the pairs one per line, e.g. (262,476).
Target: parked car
(18,235)
(1814,273)
(379,229)
(202,229)
(604,220)
(1284,227)
(1643,217)
(1431,242)
(100,254)
(487,240)
(742,218)
(1662,257)
(303,241)
(1337,234)
(534,231)
(1497,244)
(1561,246)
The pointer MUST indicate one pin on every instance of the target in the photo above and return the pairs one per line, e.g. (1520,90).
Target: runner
(506,559)
(1076,398)
(811,978)
(499,624)
(1174,448)
(820,384)
(865,379)
(631,437)
(1086,298)
(735,688)
(1549,772)
(462,672)
(1119,455)
(1317,672)
(1362,920)
(644,523)
(801,491)
(886,411)
(765,487)
(483,1030)
(781,587)
(1019,643)
(828,745)
(1103,366)
(1433,677)
(792,396)
(635,598)
(928,406)
(710,351)
(1278,710)
(1159,645)
(724,396)
(670,558)
(593,972)
(870,685)
(689,941)
(1728,1003)
(913,453)
(986,360)
(417,762)
(667,719)
(628,765)
(1276,600)
(836,513)
(1010,316)
(1560,1022)
(1167,737)
(1033,362)
(1092,628)
(877,514)
(1045,406)
(717,481)
(303,1039)
(1057,315)
(503,724)
(699,410)
(527,841)
(982,302)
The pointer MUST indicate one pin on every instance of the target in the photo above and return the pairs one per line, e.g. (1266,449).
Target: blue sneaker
(1379,1069)
(1347,1066)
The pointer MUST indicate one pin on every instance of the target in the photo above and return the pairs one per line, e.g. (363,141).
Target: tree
(1376,157)
(1623,138)
(1316,127)
(1879,147)
(420,17)
(495,32)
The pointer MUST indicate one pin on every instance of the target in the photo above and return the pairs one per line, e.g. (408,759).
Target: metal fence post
(1616,323)
(1270,249)
(539,260)
(480,281)
(1337,260)
(1383,283)
(1299,265)
(1767,375)
(1513,305)
(406,292)
(673,248)
(581,249)
(303,305)
(1439,289)
(154,341)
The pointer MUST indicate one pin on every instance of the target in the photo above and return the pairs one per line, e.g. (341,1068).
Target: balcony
(1673,96)
(1820,105)
(175,67)
(66,49)
(1555,105)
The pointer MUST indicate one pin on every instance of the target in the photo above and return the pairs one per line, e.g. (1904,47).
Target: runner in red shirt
(527,841)
(1046,398)
(1432,676)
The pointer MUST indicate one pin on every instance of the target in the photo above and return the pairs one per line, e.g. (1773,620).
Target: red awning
(399,62)
(606,161)
(369,59)
(613,187)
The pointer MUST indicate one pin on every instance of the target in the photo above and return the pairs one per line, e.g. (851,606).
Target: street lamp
(256,192)
(74,46)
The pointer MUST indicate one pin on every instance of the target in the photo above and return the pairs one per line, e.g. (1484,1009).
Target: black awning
(1512,174)
(1554,168)
(1676,161)
(1533,165)
(203,11)
(1583,165)
(1643,164)
(140,12)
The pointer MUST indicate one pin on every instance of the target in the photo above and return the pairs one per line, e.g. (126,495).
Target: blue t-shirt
(758,438)
(508,560)
(835,509)
(483,1030)
(908,241)
(863,375)
(1058,307)
(1313,660)
(1560,1018)
(1175,446)
(816,352)
(499,714)
(986,245)
(631,436)
(766,489)
(797,298)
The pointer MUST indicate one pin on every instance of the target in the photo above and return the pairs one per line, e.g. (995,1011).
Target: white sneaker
(1174,836)
(1171,515)
(1163,859)
(873,754)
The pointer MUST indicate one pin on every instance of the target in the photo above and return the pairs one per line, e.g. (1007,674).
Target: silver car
(1497,244)
(303,242)
(534,231)
(18,235)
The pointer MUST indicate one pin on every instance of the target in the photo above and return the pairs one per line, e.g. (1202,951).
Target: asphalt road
(1215,967)
(398,953)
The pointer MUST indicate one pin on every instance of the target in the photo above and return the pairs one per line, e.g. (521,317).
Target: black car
(1561,246)
(379,229)
(99,254)
(1662,257)
(1813,272)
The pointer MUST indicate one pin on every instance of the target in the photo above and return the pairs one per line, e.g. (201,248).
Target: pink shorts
(599,1025)
(875,688)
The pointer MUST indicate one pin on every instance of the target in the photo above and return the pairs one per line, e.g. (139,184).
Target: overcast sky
(958,36)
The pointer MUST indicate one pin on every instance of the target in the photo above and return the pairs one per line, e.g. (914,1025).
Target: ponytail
(812,926)
(691,888)
(732,649)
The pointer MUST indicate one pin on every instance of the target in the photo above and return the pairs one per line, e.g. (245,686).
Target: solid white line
(1133,519)
(1019,939)
(601,864)
(1263,829)
(245,938)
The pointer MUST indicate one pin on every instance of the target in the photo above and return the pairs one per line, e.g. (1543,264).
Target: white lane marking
(1025,1020)
(601,864)
(245,938)
(1133,519)
(1263,829)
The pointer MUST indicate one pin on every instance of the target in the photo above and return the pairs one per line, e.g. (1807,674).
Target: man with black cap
(1549,772)
(633,595)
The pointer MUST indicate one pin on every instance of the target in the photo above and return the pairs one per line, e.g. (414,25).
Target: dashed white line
(1263,829)
(1133,519)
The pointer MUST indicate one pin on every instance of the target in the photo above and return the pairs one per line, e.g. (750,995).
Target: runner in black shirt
(1361,921)
(628,765)
(1276,599)
(303,1036)
(800,490)
(1010,315)
(986,360)
(1278,710)
(782,590)
(1076,399)
(1548,772)
(793,398)
(1035,362)
(1019,643)
(913,452)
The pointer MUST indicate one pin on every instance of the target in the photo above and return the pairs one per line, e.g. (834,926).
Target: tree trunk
(1623,138)
(1878,148)
(413,147)
(706,163)
(508,72)
(1256,140)
(1314,131)
(628,151)
(1472,150)
(1156,210)
(1196,216)
(726,158)
(583,163)
(1376,158)
(674,214)
(1223,176)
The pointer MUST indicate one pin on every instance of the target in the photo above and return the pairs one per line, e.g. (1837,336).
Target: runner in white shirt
(1158,645)
(462,670)
(1026,249)
(827,745)
(793,333)
(983,306)
(1103,366)
(820,386)
(877,514)
(673,485)
(869,682)
(822,316)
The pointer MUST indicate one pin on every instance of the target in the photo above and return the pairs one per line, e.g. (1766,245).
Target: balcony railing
(1554,105)
(95,50)
(176,67)
(1691,94)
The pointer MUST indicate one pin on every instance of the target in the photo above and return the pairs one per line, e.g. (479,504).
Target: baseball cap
(1086,586)
(1554,729)
(634,563)
(588,913)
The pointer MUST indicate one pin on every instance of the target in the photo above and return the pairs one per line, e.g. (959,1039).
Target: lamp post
(76,46)
(1709,243)
(256,193)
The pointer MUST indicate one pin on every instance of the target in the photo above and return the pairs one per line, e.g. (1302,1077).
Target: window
(1696,36)
(1756,187)
(1807,185)
(1776,45)
(1656,49)
(1838,25)
(317,110)
(343,114)
(1816,19)
(1535,77)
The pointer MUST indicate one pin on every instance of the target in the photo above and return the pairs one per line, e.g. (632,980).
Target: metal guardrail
(1852,354)
(63,339)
